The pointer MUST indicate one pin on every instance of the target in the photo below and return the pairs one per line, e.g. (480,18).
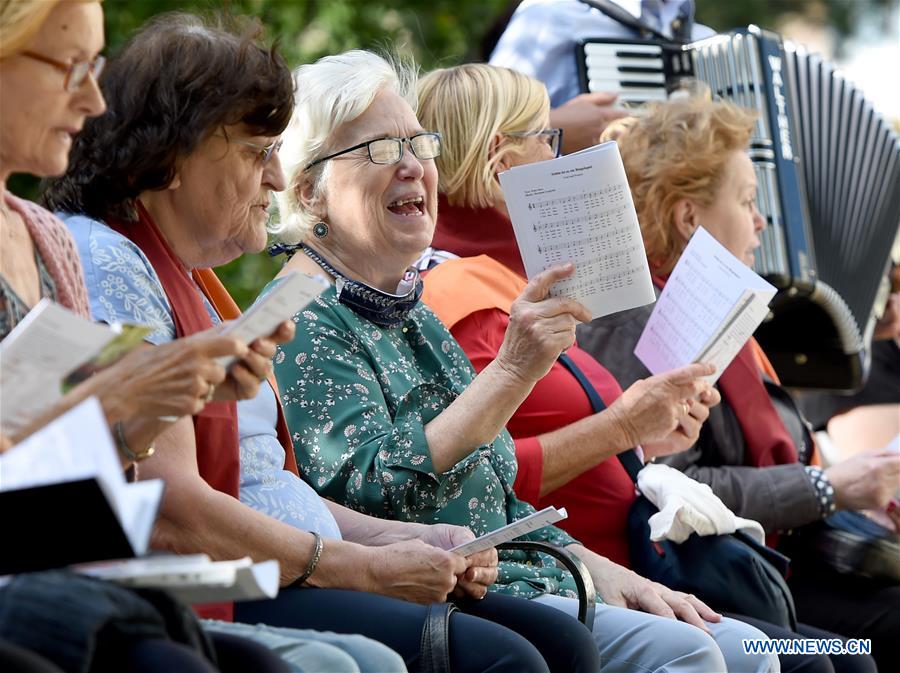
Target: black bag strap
(620,15)
(434,647)
(628,458)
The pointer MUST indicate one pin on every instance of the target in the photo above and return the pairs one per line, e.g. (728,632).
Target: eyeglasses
(76,72)
(390,150)
(264,152)
(553,137)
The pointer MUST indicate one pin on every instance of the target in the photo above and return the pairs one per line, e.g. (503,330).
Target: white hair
(332,91)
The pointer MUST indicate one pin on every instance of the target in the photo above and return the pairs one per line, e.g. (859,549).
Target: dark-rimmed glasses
(384,151)
(76,72)
(553,138)
(265,152)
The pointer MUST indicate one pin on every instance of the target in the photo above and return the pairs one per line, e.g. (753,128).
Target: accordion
(828,169)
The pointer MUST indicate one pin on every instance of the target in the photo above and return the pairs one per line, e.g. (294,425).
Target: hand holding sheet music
(280,303)
(49,345)
(578,208)
(711,304)
(68,479)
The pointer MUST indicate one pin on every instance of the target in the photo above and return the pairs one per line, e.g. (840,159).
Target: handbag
(849,543)
(434,646)
(732,573)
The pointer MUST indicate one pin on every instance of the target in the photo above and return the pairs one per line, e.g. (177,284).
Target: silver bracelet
(313,562)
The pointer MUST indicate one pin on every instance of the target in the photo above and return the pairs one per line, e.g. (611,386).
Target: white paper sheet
(578,208)
(77,446)
(711,304)
(280,303)
(532,522)
(35,357)
(193,578)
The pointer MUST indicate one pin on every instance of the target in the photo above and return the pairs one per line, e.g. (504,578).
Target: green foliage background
(436,32)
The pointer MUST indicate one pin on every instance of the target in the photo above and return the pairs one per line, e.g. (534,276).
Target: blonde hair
(678,150)
(332,91)
(21,19)
(469,105)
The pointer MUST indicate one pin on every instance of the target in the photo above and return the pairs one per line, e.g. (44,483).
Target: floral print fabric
(357,398)
(124,287)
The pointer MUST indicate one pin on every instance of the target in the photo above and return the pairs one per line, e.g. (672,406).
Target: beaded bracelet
(824,490)
(313,562)
(122,445)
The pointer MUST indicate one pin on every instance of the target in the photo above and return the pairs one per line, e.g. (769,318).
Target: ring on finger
(686,407)
(210,392)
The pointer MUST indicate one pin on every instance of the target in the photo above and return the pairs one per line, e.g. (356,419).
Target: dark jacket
(780,497)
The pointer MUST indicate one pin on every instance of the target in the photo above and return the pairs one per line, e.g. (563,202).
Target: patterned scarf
(58,252)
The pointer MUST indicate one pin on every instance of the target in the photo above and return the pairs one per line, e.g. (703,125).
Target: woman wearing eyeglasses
(57,620)
(187,188)
(387,415)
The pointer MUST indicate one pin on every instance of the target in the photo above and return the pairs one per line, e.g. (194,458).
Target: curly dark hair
(176,81)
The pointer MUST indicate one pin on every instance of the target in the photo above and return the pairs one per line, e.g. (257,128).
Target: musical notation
(711,305)
(578,208)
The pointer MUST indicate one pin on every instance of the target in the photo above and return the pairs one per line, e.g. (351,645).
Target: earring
(320,230)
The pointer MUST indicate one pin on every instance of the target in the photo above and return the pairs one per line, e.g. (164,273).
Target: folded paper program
(687,506)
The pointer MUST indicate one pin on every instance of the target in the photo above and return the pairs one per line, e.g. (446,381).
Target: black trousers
(809,663)
(14,658)
(155,655)
(497,634)
(853,606)
(233,654)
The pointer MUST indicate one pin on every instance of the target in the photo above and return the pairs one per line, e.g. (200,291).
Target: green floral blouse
(357,398)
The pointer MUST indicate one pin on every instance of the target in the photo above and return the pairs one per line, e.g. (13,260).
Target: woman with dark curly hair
(50,63)
(175,179)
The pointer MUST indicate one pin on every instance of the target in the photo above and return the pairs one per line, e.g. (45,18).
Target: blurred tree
(435,32)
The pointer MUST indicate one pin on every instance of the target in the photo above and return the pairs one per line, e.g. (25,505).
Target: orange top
(470,284)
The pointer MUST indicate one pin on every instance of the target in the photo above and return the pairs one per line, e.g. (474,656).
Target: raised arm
(540,328)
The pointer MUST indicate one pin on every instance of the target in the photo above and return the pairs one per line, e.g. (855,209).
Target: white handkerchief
(687,506)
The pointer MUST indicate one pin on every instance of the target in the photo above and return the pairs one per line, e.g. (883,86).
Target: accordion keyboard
(637,71)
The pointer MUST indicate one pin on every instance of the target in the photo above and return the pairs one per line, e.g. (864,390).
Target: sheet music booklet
(578,208)
(711,304)
(283,300)
(51,350)
(528,524)
(66,499)
(193,578)
(67,502)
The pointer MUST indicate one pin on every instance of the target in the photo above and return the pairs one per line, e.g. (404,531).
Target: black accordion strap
(616,13)
(629,458)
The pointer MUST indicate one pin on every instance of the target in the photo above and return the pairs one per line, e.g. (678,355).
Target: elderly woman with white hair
(148,215)
(385,410)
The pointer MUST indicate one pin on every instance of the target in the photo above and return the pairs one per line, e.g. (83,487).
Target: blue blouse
(124,287)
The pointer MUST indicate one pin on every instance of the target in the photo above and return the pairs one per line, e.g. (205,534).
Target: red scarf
(469,232)
(215,428)
(768,441)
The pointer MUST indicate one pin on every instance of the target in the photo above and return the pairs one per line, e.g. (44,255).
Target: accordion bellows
(828,168)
